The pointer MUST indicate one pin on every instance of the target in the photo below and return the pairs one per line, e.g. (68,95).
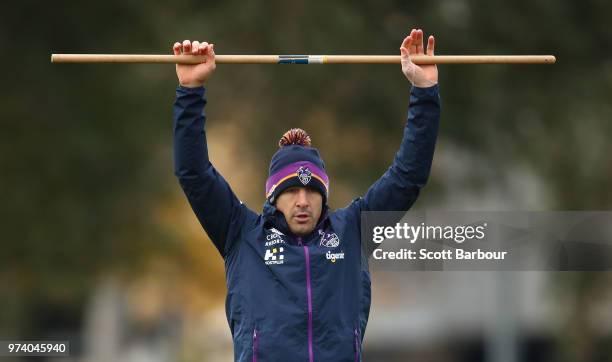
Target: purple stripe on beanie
(292,168)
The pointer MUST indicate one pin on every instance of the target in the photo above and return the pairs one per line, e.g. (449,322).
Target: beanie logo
(304,175)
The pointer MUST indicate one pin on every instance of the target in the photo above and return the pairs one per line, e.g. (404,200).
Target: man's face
(302,208)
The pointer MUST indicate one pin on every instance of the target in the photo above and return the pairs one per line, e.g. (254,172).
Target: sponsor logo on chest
(334,256)
(274,237)
(274,253)
(274,256)
(331,240)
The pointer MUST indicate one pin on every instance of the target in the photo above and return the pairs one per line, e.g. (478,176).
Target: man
(298,284)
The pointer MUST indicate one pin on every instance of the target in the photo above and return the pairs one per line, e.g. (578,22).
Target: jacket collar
(274,218)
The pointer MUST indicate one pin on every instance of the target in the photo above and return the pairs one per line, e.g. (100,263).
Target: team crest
(330,240)
(304,175)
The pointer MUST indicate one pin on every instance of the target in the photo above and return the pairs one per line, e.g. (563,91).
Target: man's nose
(301,199)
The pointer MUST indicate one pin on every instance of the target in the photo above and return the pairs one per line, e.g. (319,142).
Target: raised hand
(194,75)
(419,75)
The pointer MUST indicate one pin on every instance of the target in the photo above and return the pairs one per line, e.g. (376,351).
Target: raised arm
(399,187)
(211,198)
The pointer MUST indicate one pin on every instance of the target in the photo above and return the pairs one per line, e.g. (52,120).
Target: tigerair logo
(274,256)
(334,256)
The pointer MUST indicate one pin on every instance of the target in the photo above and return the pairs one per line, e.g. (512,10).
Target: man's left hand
(419,75)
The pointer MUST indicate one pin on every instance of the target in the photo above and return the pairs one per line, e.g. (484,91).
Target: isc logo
(274,256)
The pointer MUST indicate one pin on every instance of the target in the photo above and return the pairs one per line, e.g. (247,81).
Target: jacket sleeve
(399,186)
(210,196)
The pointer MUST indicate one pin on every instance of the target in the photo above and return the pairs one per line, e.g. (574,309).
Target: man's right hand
(194,75)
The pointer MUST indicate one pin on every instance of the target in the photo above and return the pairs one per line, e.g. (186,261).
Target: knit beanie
(296,163)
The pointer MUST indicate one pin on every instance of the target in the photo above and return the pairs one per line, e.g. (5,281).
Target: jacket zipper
(356,345)
(309,295)
(255,345)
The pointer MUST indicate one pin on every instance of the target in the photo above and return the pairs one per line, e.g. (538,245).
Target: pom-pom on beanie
(296,163)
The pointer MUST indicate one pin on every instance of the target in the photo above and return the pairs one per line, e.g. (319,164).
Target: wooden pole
(302,59)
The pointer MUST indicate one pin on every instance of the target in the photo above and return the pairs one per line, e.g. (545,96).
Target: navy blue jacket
(295,298)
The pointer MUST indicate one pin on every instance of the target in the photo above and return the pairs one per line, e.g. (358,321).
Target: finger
(406,46)
(212,55)
(419,42)
(205,49)
(186,47)
(195,47)
(431,44)
(414,36)
(405,42)
(176,48)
